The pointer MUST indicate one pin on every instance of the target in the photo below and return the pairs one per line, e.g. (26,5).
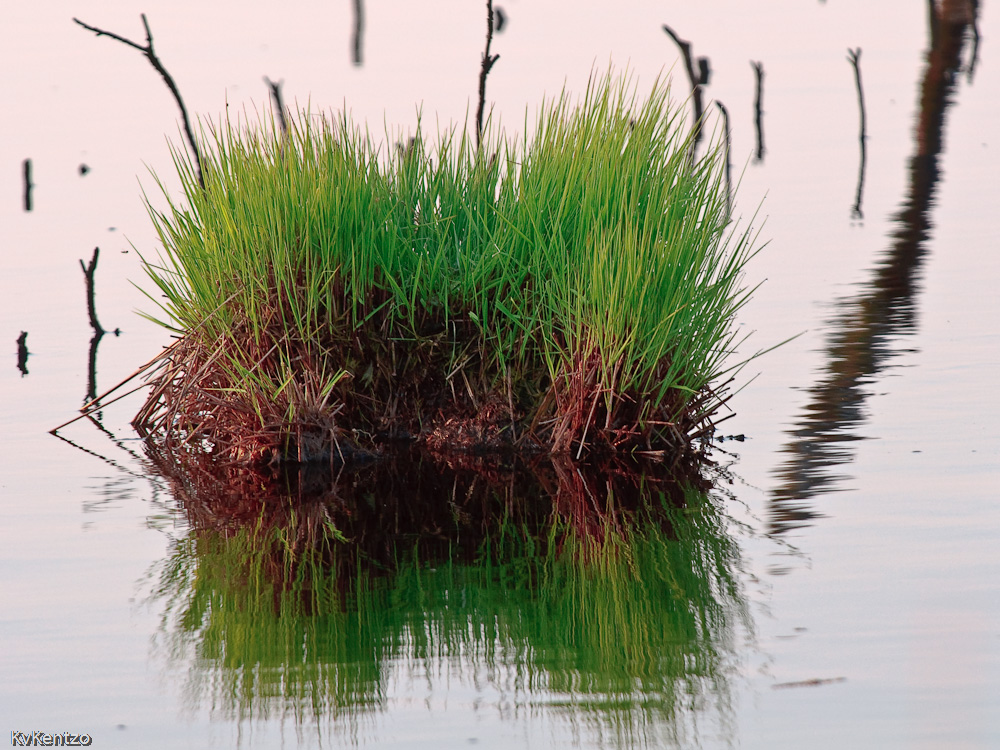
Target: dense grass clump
(571,292)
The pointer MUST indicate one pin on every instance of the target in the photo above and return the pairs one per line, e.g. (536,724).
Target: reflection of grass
(628,627)
(579,285)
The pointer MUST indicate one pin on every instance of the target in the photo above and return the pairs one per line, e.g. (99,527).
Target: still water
(833,582)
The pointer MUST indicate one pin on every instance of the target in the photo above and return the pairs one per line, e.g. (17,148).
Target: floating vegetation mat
(570,293)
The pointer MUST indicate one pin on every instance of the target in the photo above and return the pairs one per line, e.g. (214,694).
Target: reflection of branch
(758,108)
(856,211)
(697,80)
(974,54)
(279,103)
(22,353)
(729,166)
(95,340)
(359,30)
(854,58)
(488,61)
(147,50)
(28,184)
(861,340)
(88,274)
(148,476)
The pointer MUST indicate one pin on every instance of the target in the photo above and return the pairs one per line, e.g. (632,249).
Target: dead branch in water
(729,161)
(697,80)
(854,58)
(279,103)
(88,274)
(488,61)
(359,30)
(28,184)
(758,107)
(150,54)
(22,353)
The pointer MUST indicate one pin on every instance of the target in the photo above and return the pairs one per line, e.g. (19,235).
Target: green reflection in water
(623,621)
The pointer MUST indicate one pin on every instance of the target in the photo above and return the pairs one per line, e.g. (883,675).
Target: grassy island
(572,292)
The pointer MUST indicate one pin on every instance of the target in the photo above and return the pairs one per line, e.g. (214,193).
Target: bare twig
(970,71)
(150,54)
(22,353)
(88,274)
(96,408)
(279,103)
(854,58)
(157,360)
(488,61)
(758,107)
(729,165)
(359,30)
(28,184)
(697,80)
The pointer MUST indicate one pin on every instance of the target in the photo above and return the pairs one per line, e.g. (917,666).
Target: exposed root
(340,402)
(588,417)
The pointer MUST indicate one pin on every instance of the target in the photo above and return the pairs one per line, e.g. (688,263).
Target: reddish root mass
(342,401)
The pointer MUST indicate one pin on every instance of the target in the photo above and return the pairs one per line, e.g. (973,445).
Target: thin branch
(28,184)
(88,274)
(697,80)
(729,166)
(279,103)
(974,54)
(854,58)
(22,353)
(97,408)
(488,61)
(150,54)
(758,107)
(154,363)
(359,30)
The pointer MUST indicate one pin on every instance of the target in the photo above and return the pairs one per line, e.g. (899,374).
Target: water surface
(838,586)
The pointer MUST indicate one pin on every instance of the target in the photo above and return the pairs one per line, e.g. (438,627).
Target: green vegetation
(622,622)
(573,292)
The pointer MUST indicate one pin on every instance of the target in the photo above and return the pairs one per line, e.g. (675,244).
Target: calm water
(839,587)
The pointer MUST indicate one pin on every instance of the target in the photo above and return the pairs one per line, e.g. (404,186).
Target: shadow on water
(865,332)
(607,599)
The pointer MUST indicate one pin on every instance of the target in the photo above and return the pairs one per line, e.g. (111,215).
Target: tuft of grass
(574,290)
